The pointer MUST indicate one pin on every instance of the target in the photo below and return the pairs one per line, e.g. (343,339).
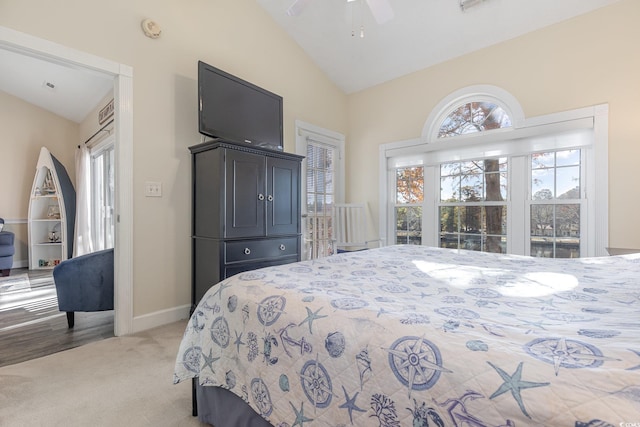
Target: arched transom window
(472,117)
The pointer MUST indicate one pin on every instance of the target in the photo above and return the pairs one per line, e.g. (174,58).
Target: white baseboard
(24,263)
(159,318)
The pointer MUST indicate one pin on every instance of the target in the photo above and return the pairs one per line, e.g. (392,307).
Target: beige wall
(235,35)
(590,60)
(25,129)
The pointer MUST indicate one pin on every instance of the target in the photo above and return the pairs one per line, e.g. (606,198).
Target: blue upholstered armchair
(7,249)
(85,283)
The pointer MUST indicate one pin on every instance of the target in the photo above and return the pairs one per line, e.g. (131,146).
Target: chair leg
(70,319)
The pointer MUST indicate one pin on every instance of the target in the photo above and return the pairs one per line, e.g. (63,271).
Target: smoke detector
(151,28)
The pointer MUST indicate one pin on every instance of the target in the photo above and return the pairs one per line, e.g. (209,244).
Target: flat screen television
(235,110)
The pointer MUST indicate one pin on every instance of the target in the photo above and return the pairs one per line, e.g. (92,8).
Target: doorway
(122,76)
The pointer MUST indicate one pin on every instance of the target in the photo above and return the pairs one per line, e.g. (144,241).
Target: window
(408,208)
(103,195)
(556,204)
(472,206)
(321,161)
(472,117)
(489,185)
(323,186)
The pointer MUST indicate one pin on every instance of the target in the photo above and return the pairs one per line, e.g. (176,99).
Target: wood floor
(31,325)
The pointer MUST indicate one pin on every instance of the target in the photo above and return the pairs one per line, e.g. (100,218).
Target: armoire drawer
(248,250)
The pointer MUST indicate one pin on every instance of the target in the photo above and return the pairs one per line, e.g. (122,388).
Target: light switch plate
(153,189)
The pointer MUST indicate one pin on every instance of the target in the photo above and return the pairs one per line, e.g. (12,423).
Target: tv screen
(235,110)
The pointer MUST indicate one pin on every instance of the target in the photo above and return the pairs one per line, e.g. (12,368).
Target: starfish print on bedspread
(311,316)
(350,404)
(221,287)
(300,418)
(515,385)
(209,360)
(238,342)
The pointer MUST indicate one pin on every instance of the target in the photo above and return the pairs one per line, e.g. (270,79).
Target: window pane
(568,182)
(471,219)
(542,160)
(541,220)
(542,184)
(493,179)
(450,189)
(409,184)
(479,228)
(568,158)
(449,219)
(472,242)
(409,225)
(555,230)
(472,189)
(555,175)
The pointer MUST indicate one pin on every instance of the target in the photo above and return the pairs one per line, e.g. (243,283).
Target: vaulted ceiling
(420,34)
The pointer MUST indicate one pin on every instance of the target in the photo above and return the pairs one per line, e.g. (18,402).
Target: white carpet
(121,381)
(19,282)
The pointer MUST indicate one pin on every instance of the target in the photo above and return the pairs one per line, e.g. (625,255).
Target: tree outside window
(473,210)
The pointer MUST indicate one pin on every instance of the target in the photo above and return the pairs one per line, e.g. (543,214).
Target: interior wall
(91,123)
(237,36)
(589,60)
(25,129)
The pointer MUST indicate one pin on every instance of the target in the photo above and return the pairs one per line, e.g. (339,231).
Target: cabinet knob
(260,196)
(247,251)
(270,198)
(282,247)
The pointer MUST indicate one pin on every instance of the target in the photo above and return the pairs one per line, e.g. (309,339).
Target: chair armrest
(85,283)
(6,238)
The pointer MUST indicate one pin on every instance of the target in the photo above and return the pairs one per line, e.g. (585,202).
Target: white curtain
(83,243)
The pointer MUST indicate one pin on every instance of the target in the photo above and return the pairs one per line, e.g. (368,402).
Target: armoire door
(283,196)
(245,194)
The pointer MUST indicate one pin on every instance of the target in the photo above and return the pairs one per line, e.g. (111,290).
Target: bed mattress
(411,335)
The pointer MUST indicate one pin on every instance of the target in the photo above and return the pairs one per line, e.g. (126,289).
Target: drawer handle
(270,198)
(282,247)
(247,251)
(260,196)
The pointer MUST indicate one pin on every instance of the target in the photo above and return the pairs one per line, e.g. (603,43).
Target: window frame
(304,133)
(102,238)
(524,137)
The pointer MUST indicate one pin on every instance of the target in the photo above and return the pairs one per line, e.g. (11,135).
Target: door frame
(122,76)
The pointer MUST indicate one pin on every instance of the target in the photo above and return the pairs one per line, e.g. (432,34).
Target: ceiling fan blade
(381,10)
(297,7)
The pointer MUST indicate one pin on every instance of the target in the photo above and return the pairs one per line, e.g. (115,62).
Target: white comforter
(410,335)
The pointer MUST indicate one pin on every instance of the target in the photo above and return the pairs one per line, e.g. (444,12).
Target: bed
(417,336)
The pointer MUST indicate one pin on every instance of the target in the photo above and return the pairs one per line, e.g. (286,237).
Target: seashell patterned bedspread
(419,336)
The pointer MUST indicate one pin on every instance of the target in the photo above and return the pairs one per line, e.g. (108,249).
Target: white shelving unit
(50,227)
